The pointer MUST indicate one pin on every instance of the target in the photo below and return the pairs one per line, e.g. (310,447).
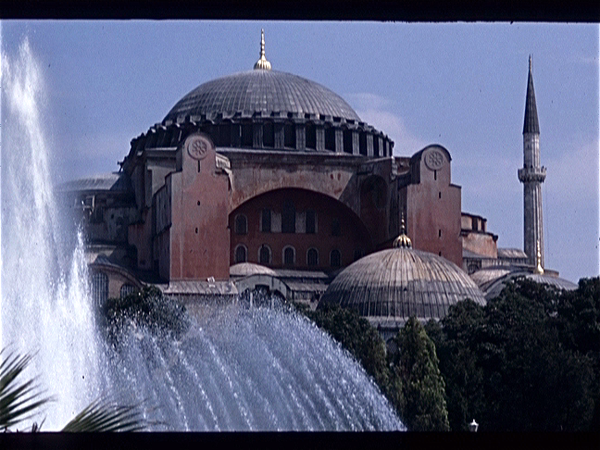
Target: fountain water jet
(45,308)
(241,369)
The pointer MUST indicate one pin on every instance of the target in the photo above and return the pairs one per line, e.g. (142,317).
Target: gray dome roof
(246,269)
(399,283)
(491,281)
(264,91)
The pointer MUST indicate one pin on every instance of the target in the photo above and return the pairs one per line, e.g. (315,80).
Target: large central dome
(262,91)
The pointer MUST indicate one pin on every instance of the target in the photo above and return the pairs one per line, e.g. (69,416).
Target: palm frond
(18,400)
(103,416)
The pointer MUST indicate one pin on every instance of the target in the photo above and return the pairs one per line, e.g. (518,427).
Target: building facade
(266,179)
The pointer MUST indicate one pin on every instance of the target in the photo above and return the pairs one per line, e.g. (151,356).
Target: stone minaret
(532,175)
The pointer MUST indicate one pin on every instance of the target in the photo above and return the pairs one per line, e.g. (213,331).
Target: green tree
(416,363)
(578,321)
(455,339)
(532,381)
(356,335)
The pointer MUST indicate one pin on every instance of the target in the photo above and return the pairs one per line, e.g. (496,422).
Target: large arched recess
(336,227)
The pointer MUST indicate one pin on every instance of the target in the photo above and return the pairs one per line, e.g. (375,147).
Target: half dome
(392,285)
(262,91)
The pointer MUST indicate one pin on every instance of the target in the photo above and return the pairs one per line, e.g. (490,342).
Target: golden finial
(539,269)
(262,63)
(402,241)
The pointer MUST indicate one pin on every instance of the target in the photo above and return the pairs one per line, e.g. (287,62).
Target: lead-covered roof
(265,91)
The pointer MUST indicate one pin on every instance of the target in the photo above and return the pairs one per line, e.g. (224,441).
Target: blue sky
(459,85)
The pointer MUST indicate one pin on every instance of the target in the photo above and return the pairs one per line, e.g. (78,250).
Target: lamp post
(473,426)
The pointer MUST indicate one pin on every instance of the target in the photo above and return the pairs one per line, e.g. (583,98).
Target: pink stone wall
(199,235)
(434,209)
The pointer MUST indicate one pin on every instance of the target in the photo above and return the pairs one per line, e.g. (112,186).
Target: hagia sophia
(263,180)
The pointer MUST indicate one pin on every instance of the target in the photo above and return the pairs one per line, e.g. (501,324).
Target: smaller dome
(491,281)
(393,285)
(246,269)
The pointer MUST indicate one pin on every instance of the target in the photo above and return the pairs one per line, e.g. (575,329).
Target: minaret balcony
(528,174)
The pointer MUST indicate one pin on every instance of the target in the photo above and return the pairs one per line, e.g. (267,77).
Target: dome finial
(538,257)
(402,241)
(262,63)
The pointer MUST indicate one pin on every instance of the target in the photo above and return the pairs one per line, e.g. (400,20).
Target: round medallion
(434,160)
(197,147)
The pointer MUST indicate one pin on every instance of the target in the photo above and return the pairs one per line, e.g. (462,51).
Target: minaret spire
(532,175)
(262,63)
(531,124)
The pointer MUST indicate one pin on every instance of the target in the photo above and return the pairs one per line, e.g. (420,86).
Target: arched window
(348,146)
(265,221)
(288,217)
(225,134)
(312,257)
(311,136)
(268,135)
(289,135)
(127,289)
(99,288)
(311,222)
(241,254)
(289,256)
(375,146)
(241,224)
(247,138)
(330,139)
(335,258)
(362,143)
(264,254)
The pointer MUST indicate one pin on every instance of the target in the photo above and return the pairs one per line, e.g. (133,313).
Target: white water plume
(45,308)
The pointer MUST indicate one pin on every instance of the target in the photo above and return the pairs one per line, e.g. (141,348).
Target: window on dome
(362,143)
(264,254)
(348,141)
(330,139)
(289,256)
(241,224)
(311,222)
(311,136)
(288,217)
(241,254)
(312,257)
(375,146)
(289,135)
(265,221)
(268,135)
(225,135)
(247,135)
(335,258)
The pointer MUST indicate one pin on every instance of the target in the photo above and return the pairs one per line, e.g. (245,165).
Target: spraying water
(45,308)
(235,369)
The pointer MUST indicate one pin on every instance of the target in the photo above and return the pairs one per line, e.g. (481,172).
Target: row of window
(289,256)
(288,221)
(227,135)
